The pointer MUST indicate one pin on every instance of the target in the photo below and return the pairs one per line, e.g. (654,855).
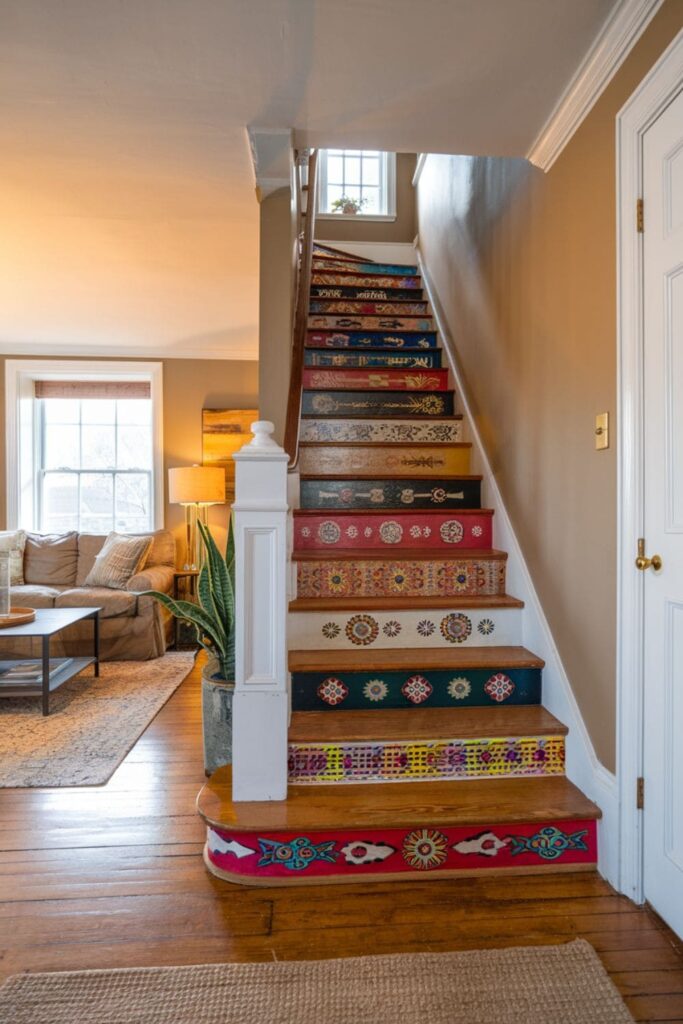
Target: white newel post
(261,704)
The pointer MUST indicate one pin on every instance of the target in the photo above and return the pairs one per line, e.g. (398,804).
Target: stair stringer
(583,767)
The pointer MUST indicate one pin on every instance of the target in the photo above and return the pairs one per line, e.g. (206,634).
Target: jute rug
(92,724)
(563,984)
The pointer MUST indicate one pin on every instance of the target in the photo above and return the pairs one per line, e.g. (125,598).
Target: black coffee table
(48,623)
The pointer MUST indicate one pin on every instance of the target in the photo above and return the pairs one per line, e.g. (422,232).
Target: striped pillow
(120,558)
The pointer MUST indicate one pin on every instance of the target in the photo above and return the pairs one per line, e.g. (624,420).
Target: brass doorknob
(643,562)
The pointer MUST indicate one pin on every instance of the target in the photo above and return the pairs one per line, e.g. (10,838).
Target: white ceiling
(129,221)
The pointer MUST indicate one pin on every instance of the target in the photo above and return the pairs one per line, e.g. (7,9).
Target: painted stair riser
(381,303)
(365,294)
(415,325)
(387,494)
(391,269)
(323,460)
(377,403)
(357,531)
(378,431)
(361,308)
(350,855)
(376,380)
(396,360)
(394,629)
(379,690)
(323,279)
(437,760)
(371,339)
(401,578)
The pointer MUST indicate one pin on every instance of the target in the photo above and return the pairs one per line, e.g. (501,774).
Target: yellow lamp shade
(196,485)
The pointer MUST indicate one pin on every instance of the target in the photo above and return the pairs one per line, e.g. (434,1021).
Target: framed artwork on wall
(224,432)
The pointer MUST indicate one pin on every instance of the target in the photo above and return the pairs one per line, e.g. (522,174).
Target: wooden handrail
(303,291)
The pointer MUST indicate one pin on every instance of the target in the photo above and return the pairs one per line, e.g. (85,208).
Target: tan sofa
(132,628)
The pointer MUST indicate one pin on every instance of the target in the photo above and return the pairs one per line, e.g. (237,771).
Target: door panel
(663,513)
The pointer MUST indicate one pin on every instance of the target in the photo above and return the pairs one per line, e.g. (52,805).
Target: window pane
(370,172)
(61,446)
(134,450)
(352,191)
(352,170)
(97,503)
(372,197)
(134,410)
(98,446)
(59,505)
(132,502)
(334,192)
(335,169)
(61,410)
(98,410)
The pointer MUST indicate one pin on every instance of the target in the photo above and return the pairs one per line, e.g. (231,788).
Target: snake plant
(214,615)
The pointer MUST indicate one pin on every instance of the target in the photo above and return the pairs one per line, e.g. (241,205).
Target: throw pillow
(50,559)
(120,558)
(14,542)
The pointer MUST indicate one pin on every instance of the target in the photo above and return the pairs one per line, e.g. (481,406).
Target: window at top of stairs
(357,183)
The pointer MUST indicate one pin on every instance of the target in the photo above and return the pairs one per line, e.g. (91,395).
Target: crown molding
(609,50)
(24,350)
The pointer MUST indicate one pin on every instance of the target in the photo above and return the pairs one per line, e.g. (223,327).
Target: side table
(183,633)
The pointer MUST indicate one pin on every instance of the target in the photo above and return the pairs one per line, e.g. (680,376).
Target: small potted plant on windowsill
(348,205)
(214,620)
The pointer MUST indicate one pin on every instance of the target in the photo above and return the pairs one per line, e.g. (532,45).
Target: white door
(663,513)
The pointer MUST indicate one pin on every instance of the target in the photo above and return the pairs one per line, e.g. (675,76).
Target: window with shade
(93,456)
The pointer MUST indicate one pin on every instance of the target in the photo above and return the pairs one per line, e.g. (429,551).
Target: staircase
(418,744)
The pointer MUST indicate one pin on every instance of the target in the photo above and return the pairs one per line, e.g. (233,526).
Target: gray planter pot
(217,697)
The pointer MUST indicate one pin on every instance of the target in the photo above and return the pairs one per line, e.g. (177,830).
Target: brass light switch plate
(601,431)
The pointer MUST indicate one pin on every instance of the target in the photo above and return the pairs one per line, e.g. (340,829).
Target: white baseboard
(583,767)
(380,252)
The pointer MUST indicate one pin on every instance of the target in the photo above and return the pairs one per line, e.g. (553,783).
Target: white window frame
(22,425)
(388,186)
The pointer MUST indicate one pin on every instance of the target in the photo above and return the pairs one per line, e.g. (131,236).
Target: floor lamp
(195,488)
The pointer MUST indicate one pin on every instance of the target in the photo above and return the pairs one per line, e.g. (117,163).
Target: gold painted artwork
(224,432)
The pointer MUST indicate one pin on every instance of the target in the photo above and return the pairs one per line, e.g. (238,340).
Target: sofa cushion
(113,603)
(33,596)
(162,551)
(12,542)
(121,557)
(51,558)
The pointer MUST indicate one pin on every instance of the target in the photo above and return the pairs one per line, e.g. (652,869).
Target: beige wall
(403,229)
(189,386)
(524,264)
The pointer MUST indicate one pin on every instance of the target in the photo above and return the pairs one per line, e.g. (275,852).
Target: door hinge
(640,216)
(640,793)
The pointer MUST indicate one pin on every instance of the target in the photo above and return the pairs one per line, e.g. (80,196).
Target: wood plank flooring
(112,876)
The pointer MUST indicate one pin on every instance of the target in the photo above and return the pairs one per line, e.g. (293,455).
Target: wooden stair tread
(394,513)
(400,553)
(418,658)
(406,724)
(399,805)
(437,445)
(364,604)
(394,476)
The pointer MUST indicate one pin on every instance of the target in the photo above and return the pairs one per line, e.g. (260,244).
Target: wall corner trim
(609,50)
(272,153)
(421,158)
(583,767)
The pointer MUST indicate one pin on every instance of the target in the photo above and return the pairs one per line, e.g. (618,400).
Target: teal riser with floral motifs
(376,691)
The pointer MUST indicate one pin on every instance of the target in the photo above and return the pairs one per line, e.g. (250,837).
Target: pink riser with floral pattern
(450,531)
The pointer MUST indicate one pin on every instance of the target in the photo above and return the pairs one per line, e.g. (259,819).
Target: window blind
(92,389)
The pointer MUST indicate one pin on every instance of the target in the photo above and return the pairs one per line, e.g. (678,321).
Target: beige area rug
(559,984)
(92,724)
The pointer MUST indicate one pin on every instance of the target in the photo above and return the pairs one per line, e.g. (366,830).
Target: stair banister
(261,702)
(303,288)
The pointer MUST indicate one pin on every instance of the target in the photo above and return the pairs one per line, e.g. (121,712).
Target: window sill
(357,216)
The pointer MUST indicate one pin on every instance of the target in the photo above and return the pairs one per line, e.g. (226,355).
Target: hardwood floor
(112,876)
